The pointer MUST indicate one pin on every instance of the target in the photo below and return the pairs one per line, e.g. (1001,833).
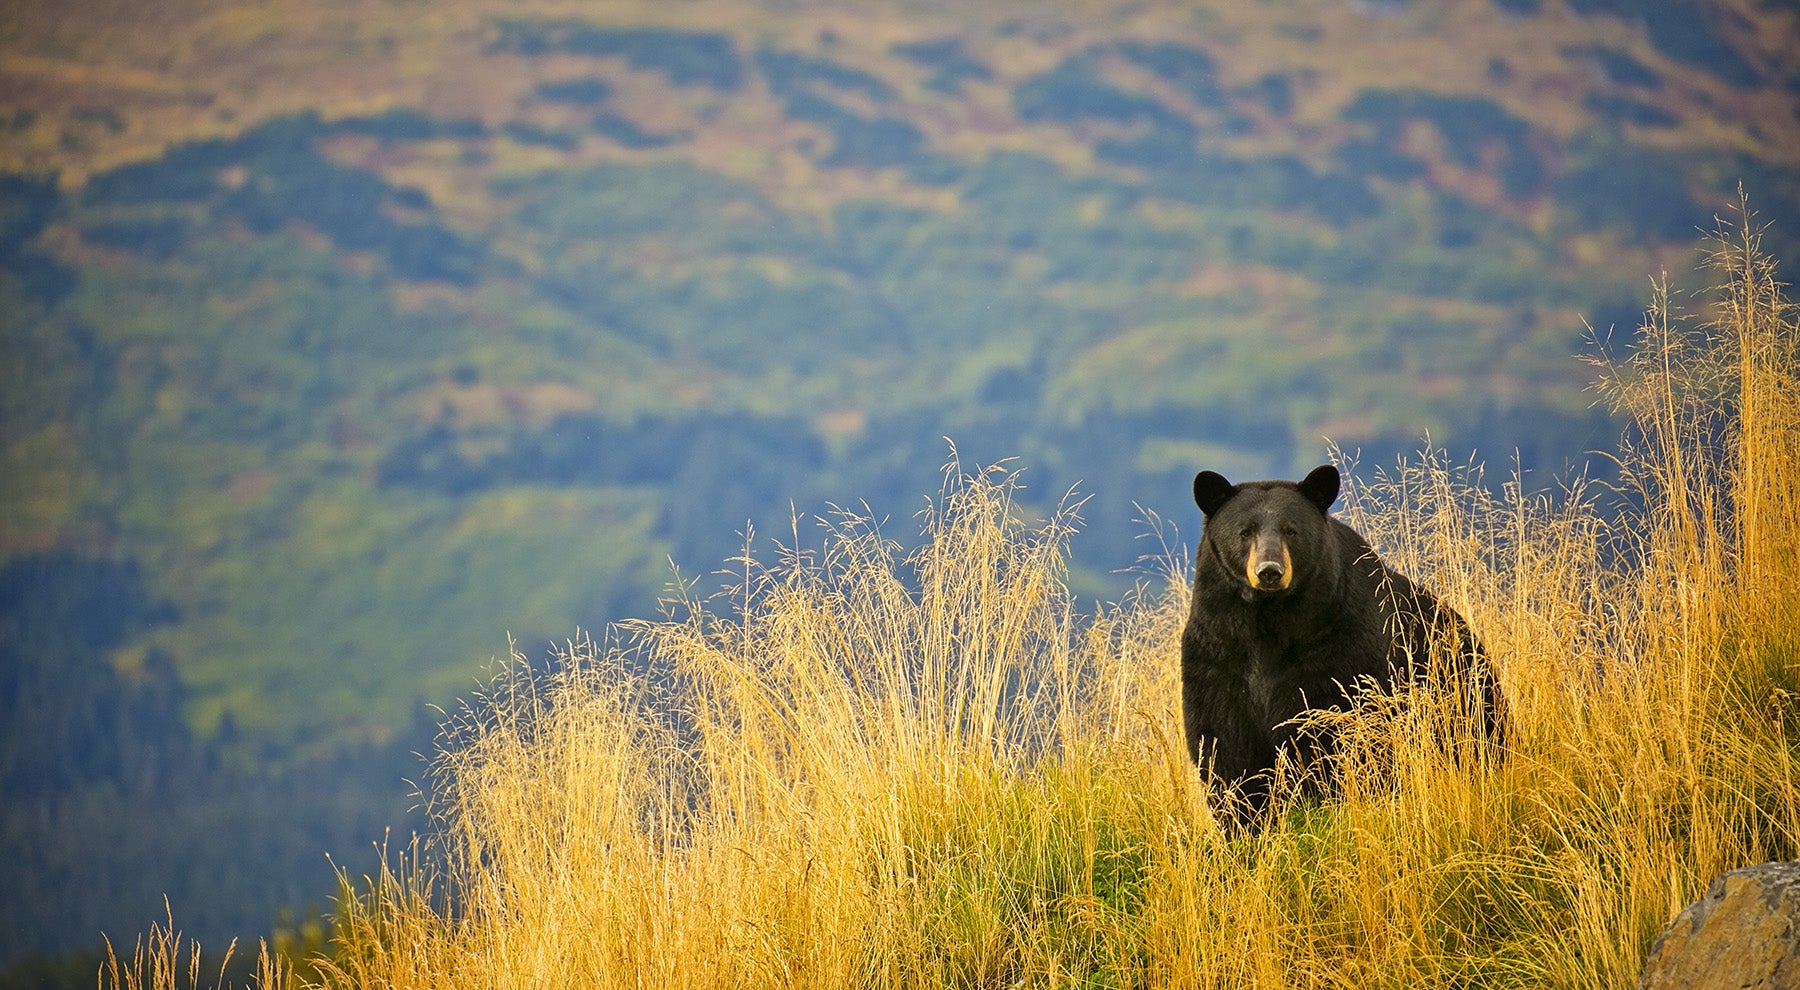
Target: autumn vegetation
(877,767)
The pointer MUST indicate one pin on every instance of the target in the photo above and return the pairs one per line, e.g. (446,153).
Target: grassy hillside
(877,768)
(344,340)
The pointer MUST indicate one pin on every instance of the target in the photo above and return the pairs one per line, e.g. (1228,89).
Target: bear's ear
(1211,491)
(1321,486)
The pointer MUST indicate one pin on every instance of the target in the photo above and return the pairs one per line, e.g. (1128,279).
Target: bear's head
(1271,535)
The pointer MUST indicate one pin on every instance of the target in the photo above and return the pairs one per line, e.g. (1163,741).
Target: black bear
(1291,611)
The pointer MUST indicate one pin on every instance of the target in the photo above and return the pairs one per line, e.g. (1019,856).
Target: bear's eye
(1290,531)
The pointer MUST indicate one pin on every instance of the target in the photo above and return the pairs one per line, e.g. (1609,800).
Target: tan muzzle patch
(1268,566)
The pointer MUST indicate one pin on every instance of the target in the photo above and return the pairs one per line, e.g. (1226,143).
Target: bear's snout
(1269,566)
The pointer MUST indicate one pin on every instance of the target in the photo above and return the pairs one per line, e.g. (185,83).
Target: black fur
(1254,658)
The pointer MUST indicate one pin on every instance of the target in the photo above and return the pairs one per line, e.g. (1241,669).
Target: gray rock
(1745,933)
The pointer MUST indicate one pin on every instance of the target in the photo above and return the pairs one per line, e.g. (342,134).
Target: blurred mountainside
(343,339)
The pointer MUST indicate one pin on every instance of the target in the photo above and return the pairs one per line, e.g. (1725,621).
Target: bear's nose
(1268,574)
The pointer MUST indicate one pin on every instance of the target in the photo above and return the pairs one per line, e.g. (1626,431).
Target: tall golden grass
(877,768)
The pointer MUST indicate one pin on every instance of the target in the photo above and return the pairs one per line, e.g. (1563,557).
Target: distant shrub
(1641,190)
(790,73)
(1618,65)
(1465,122)
(1337,198)
(300,184)
(624,131)
(1276,91)
(1162,149)
(430,252)
(184,173)
(1459,221)
(1378,158)
(1467,125)
(1685,31)
(1071,91)
(525,133)
(946,55)
(69,717)
(26,205)
(1625,110)
(1190,69)
(877,142)
(40,277)
(410,198)
(581,91)
(933,169)
(813,108)
(1522,174)
(687,58)
(287,179)
(402,124)
(935,53)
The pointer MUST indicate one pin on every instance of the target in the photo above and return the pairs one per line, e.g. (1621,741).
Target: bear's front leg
(1223,735)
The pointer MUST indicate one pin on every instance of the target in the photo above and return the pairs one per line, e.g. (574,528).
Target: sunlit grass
(873,768)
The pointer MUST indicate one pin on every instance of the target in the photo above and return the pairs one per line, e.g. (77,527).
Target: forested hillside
(343,341)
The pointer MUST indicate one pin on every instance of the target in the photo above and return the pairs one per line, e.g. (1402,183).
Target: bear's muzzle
(1269,567)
